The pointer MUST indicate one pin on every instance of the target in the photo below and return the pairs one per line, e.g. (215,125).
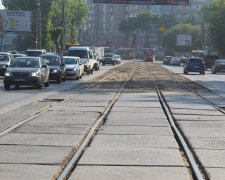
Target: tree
(170,36)
(214,15)
(51,17)
(133,26)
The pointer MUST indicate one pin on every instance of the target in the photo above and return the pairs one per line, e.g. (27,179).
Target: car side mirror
(44,66)
(6,65)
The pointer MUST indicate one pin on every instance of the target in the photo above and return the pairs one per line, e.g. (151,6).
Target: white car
(74,67)
(118,59)
(175,61)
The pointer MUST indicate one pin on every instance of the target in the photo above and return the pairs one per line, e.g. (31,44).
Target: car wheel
(59,80)
(39,86)
(88,71)
(47,83)
(64,78)
(17,86)
(203,72)
(91,71)
(185,72)
(78,77)
(6,86)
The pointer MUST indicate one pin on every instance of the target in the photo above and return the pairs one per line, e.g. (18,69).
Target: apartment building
(101,28)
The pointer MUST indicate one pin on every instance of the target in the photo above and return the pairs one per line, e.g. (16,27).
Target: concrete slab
(116,120)
(66,119)
(131,156)
(136,109)
(40,139)
(129,173)
(137,116)
(202,124)
(131,141)
(203,132)
(216,173)
(51,129)
(79,109)
(197,112)
(26,172)
(207,143)
(198,118)
(13,154)
(135,130)
(211,158)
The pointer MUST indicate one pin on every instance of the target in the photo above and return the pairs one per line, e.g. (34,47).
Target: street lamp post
(39,24)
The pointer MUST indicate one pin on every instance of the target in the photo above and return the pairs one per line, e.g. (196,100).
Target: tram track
(56,102)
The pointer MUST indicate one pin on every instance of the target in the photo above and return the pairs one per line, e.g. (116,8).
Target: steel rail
(191,159)
(68,168)
(204,99)
(44,110)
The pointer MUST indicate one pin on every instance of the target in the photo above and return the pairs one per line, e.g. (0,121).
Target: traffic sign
(145,2)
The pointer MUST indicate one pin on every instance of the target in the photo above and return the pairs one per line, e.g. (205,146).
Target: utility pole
(63,23)
(39,23)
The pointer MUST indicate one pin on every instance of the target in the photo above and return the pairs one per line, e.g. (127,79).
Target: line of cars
(39,68)
(196,64)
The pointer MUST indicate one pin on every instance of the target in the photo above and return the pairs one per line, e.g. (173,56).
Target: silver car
(74,67)
(175,61)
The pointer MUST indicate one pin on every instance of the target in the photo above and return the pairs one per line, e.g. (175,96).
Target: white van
(86,56)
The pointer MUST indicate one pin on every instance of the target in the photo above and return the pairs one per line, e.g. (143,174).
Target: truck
(210,58)
(86,55)
(99,51)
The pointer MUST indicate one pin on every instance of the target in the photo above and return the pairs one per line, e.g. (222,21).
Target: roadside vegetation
(51,20)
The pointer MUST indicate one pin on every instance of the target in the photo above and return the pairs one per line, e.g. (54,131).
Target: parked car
(5,60)
(194,64)
(56,66)
(118,59)
(167,59)
(27,71)
(183,59)
(109,58)
(35,52)
(219,66)
(74,67)
(175,61)
(96,62)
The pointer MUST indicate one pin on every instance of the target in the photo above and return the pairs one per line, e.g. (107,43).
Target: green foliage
(214,15)
(170,36)
(76,12)
(134,25)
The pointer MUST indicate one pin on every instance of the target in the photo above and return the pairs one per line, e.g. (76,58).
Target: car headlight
(55,71)
(7,74)
(35,74)
(75,69)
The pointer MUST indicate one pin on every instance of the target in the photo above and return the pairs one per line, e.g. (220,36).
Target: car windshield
(70,61)
(108,55)
(25,63)
(4,57)
(34,53)
(220,61)
(78,53)
(195,60)
(52,61)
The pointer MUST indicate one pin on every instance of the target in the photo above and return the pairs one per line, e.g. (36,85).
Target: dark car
(109,58)
(56,66)
(194,64)
(5,60)
(219,66)
(27,71)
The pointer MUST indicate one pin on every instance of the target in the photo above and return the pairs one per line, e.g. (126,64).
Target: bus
(149,54)
(127,53)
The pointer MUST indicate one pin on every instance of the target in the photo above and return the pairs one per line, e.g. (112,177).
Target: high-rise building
(101,28)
